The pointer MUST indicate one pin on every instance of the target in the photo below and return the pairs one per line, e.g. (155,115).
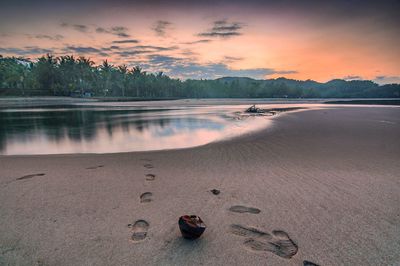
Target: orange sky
(255,40)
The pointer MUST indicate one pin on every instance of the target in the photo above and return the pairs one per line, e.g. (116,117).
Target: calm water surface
(114,128)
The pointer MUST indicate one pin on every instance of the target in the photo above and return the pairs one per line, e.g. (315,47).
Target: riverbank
(321,184)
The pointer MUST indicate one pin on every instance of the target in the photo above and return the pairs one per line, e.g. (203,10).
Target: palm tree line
(79,76)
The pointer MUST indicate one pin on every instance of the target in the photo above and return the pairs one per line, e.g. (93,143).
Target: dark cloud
(85,50)
(27,50)
(126,41)
(352,77)
(199,41)
(131,53)
(140,49)
(77,27)
(80,27)
(156,48)
(157,59)
(387,79)
(119,31)
(56,37)
(101,30)
(160,27)
(232,58)
(223,29)
(111,48)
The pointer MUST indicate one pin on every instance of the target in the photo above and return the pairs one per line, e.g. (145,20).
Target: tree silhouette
(70,76)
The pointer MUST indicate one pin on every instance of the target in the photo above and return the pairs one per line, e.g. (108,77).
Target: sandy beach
(317,185)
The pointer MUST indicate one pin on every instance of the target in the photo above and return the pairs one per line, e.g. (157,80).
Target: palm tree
(46,72)
(123,70)
(106,72)
(85,67)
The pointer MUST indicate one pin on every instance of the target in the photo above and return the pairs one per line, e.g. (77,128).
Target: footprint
(150,177)
(243,209)
(280,244)
(29,176)
(95,167)
(309,263)
(139,230)
(146,197)
(241,230)
(148,165)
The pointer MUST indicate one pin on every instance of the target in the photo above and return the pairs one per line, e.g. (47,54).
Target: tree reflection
(75,124)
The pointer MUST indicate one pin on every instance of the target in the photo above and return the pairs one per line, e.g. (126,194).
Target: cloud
(111,48)
(387,79)
(27,50)
(85,50)
(156,48)
(126,41)
(56,37)
(223,29)
(199,41)
(230,59)
(119,31)
(130,53)
(141,49)
(101,30)
(161,27)
(352,77)
(186,68)
(80,27)
(77,27)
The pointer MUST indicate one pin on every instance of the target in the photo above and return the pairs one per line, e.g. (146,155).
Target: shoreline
(55,101)
(326,178)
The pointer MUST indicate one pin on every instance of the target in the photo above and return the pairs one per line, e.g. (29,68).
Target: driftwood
(273,111)
(254,109)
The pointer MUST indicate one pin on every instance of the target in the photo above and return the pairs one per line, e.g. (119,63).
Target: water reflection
(115,129)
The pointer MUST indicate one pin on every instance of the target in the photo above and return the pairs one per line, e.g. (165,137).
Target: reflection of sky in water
(117,129)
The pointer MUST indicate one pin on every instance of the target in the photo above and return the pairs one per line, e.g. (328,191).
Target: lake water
(120,127)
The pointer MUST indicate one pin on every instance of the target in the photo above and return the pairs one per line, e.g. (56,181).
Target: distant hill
(336,88)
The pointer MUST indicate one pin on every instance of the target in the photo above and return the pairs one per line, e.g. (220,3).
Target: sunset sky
(318,40)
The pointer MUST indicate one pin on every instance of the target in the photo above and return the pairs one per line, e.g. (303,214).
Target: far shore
(41,101)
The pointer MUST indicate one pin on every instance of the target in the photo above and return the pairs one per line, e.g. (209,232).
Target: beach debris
(215,191)
(255,110)
(309,263)
(95,167)
(191,226)
(243,209)
(29,176)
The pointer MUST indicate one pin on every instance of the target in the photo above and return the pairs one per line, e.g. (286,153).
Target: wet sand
(318,185)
